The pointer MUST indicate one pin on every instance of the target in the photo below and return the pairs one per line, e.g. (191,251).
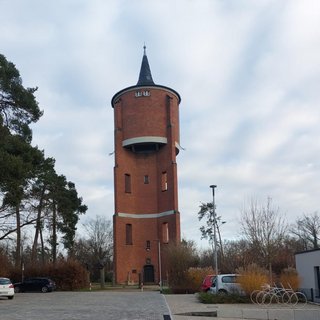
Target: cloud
(247,72)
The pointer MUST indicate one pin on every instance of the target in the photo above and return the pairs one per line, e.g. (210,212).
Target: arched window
(164,181)
(129,234)
(127,183)
(165,232)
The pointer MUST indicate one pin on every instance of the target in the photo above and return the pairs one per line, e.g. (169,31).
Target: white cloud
(247,72)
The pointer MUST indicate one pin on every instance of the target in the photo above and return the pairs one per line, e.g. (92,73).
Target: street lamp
(214,229)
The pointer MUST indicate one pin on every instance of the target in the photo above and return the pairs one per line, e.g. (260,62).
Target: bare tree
(265,229)
(307,229)
(96,249)
(99,231)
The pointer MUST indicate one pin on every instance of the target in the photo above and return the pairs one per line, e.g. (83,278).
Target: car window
(28,281)
(228,279)
(5,281)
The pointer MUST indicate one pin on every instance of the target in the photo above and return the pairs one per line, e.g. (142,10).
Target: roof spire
(145,77)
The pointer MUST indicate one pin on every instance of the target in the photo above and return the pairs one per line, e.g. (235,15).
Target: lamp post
(214,229)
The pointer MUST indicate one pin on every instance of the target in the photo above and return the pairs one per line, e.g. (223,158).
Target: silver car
(225,284)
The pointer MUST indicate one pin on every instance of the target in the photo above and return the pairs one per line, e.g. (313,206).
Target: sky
(248,73)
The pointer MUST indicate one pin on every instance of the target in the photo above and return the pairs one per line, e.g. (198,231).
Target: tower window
(164,181)
(127,183)
(148,245)
(165,232)
(146,179)
(129,234)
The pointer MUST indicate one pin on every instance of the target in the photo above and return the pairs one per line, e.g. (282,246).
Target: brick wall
(155,114)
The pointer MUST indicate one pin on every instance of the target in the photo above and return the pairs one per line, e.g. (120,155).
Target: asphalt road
(85,305)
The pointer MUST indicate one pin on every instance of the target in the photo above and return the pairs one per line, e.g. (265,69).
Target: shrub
(252,278)
(67,274)
(195,276)
(289,278)
(221,298)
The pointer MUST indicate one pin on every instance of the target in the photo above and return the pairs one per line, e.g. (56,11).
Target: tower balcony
(146,144)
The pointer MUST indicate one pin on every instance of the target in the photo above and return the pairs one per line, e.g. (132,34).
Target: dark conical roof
(145,77)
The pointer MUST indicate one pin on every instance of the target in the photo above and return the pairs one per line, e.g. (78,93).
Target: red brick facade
(146,218)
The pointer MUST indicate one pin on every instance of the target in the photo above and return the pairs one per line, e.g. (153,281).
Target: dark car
(35,284)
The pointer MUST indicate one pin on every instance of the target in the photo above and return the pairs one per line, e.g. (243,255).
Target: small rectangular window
(129,234)
(164,181)
(165,232)
(146,179)
(127,183)
(148,245)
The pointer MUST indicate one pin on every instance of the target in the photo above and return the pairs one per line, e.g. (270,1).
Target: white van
(225,284)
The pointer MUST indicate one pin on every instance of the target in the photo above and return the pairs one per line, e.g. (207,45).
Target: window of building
(164,181)
(127,183)
(129,234)
(148,245)
(165,232)
(146,179)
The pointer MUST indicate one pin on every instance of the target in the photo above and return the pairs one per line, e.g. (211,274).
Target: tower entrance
(148,274)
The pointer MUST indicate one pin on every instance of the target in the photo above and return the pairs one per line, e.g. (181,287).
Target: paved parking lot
(137,305)
(85,305)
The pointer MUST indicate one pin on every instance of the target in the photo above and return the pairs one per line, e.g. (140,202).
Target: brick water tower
(146,218)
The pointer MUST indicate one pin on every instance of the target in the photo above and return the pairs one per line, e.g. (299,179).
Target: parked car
(207,283)
(35,284)
(6,288)
(226,284)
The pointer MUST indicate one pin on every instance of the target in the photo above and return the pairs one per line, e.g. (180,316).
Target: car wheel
(44,289)
(17,289)
(10,298)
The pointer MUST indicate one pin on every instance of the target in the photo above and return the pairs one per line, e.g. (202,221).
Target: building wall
(306,264)
(147,207)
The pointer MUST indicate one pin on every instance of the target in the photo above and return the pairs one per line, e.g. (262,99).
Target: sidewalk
(186,306)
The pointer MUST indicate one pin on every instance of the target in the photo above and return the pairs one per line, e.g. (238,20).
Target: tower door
(148,274)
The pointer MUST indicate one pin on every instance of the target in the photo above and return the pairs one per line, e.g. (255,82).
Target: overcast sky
(248,73)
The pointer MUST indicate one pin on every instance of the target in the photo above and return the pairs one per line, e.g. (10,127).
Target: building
(308,268)
(146,218)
